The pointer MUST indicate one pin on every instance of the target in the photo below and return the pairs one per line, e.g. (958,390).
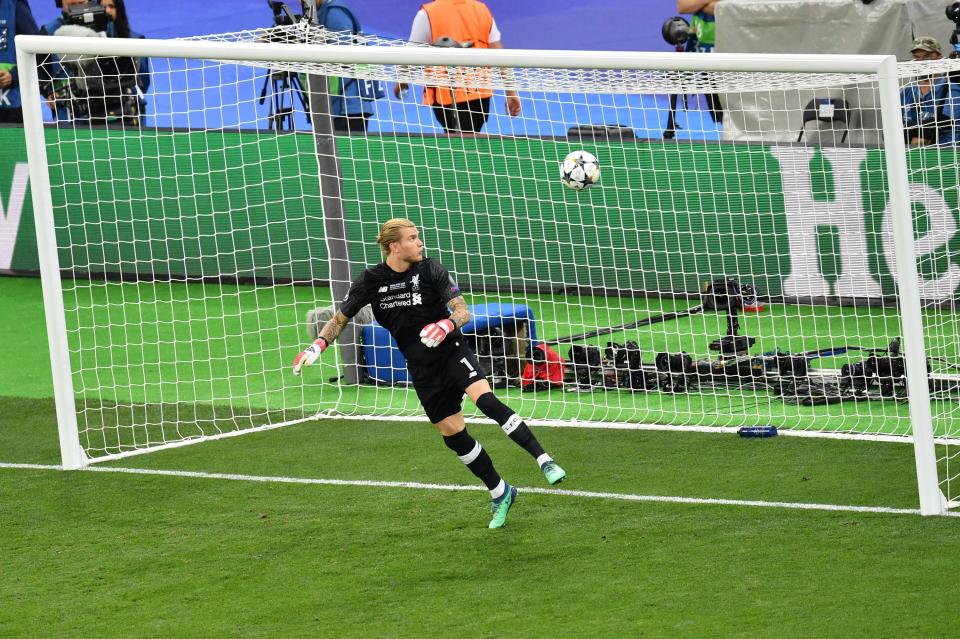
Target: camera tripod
(284,88)
(676,31)
(713,105)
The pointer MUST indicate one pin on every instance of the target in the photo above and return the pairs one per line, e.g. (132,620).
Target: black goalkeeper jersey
(404,303)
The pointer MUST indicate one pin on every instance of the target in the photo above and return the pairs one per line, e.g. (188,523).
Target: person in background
(16,18)
(351,100)
(704,24)
(926,99)
(119,27)
(55,76)
(466,23)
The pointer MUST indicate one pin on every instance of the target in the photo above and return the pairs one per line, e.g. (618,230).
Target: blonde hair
(391,232)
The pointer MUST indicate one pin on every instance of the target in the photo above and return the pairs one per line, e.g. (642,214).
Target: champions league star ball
(580,170)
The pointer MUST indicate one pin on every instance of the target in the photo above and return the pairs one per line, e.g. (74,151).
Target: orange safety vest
(462,20)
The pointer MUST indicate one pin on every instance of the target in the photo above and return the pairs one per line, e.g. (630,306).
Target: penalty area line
(583,494)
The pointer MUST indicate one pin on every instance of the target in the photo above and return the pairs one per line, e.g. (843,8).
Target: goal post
(186,288)
(931,498)
(71,453)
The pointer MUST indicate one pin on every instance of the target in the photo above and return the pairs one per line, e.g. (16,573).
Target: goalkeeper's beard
(414,259)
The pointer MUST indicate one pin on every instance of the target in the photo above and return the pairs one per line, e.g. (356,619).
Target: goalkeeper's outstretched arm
(330,332)
(332,329)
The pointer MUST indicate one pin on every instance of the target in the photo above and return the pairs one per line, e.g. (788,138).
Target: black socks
(472,454)
(511,423)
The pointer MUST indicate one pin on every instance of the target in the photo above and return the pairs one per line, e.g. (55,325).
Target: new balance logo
(383,289)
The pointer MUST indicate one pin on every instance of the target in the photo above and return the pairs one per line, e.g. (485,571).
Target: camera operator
(92,88)
(119,27)
(703,22)
(925,100)
(699,37)
(53,82)
(351,100)
(15,19)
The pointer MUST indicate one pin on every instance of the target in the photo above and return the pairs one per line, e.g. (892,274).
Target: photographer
(701,38)
(925,100)
(703,22)
(90,88)
(15,19)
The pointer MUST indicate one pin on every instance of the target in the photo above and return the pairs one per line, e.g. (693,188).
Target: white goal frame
(882,68)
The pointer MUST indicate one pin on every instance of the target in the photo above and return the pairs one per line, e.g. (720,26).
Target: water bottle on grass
(757,431)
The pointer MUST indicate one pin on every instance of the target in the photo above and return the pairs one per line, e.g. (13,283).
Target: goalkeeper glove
(310,355)
(433,334)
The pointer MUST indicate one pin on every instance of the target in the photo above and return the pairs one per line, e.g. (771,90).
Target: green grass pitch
(128,555)
(165,356)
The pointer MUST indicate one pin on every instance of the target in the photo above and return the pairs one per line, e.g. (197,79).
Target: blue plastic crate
(387,365)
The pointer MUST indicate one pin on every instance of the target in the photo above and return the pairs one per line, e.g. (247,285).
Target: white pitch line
(450,487)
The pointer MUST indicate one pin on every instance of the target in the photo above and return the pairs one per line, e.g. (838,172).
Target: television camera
(95,89)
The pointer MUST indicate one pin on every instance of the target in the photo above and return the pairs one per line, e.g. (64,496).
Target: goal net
(735,265)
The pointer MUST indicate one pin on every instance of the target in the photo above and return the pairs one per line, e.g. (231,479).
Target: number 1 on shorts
(473,372)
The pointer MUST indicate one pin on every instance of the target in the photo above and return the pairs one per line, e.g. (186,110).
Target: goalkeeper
(419,303)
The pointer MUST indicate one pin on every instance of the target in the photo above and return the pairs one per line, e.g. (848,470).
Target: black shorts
(463,117)
(440,386)
(351,123)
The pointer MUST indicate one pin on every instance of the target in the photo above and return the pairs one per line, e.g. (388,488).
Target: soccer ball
(580,170)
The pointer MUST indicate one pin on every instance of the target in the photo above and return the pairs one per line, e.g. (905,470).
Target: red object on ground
(551,369)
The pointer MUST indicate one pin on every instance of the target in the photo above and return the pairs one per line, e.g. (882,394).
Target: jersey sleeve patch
(454,289)
(444,282)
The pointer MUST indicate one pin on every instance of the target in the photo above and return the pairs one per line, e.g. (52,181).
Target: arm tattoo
(459,313)
(334,327)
